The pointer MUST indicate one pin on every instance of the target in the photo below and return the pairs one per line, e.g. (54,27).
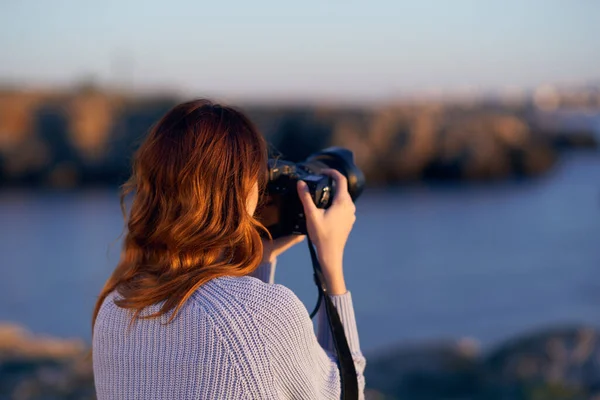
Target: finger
(307,202)
(341,185)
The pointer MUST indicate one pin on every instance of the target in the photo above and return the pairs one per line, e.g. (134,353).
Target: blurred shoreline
(557,362)
(86,136)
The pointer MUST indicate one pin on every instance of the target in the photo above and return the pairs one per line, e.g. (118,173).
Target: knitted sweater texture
(236,338)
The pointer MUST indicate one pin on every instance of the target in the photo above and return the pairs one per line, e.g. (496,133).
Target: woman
(191,311)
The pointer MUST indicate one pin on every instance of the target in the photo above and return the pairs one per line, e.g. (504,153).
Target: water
(484,261)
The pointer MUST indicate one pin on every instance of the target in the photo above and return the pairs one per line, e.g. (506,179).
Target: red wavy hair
(189,223)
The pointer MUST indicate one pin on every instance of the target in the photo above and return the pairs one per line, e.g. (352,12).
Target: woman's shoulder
(247,288)
(250,295)
(272,310)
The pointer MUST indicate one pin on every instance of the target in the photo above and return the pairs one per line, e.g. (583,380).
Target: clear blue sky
(310,49)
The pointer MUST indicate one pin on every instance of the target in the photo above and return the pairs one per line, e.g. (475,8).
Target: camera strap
(344,356)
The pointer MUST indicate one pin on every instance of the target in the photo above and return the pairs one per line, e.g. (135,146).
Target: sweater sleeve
(344,307)
(304,366)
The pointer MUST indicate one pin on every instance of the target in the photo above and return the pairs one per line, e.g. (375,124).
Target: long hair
(188,221)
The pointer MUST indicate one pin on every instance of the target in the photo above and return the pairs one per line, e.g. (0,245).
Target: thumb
(305,198)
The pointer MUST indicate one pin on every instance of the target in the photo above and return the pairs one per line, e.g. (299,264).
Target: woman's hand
(329,229)
(273,248)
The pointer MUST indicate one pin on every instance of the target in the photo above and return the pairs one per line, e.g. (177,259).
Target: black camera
(282,212)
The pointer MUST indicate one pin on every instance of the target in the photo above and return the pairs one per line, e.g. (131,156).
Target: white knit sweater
(236,338)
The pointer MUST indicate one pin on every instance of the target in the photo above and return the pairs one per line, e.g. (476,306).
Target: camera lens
(341,160)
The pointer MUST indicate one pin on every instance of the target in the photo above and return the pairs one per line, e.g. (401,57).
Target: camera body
(282,213)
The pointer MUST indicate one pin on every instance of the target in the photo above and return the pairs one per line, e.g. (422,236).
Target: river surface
(423,263)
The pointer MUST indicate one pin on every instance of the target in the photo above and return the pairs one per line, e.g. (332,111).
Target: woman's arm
(304,366)
(344,306)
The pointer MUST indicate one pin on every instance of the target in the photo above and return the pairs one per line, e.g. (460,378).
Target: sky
(311,49)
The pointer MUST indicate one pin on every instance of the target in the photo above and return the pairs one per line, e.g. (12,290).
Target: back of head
(188,221)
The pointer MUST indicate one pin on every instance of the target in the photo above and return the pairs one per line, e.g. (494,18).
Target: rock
(553,363)
(38,367)
(447,370)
